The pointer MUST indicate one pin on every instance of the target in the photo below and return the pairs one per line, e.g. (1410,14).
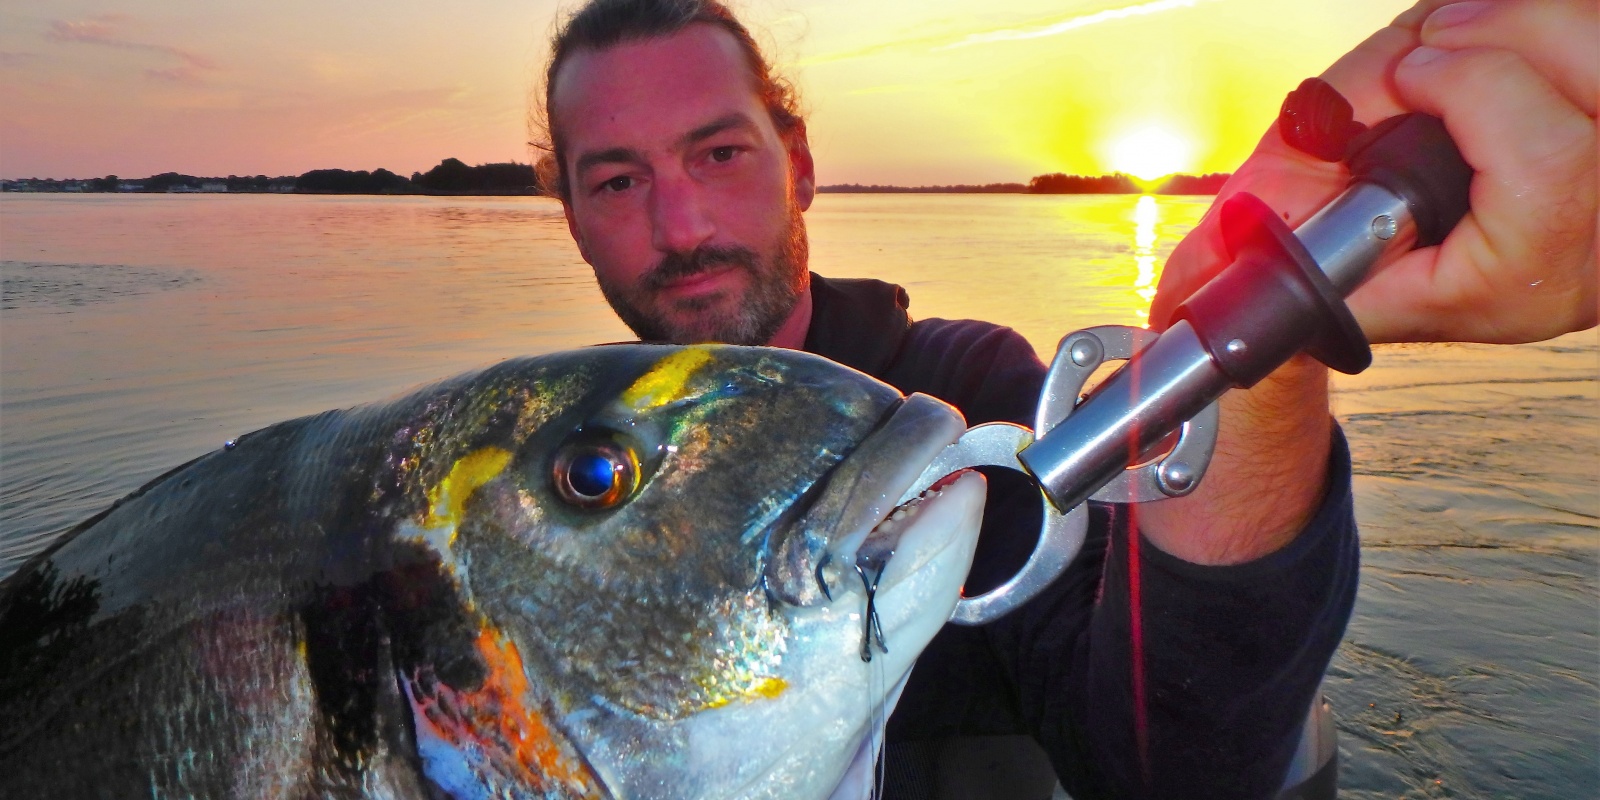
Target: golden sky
(923,92)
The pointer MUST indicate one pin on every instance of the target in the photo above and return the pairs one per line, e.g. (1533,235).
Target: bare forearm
(1267,475)
(1266,478)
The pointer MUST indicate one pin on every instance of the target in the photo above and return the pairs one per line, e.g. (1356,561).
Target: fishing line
(877,683)
(877,686)
(872,632)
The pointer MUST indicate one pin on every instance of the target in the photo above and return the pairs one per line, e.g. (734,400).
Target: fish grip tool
(1281,294)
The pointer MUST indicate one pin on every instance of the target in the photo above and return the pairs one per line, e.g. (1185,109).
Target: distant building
(130,186)
(213,186)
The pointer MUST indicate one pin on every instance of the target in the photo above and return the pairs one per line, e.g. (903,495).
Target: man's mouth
(704,281)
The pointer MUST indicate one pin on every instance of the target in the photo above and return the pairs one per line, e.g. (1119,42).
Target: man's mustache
(677,266)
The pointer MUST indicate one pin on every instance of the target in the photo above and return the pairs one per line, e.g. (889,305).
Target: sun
(1149,153)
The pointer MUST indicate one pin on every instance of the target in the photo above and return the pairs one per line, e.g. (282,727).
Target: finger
(1557,38)
(1414,16)
(1507,121)
(1386,306)
(1528,242)
(1362,74)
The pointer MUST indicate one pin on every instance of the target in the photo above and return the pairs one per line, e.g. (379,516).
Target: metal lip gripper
(1282,293)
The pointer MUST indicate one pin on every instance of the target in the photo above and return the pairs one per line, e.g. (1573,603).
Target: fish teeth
(905,511)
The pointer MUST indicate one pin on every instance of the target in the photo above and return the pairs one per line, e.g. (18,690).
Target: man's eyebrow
(628,155)
(736,119)
(614,155)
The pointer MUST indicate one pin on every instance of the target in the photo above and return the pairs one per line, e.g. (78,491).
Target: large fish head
(662,551)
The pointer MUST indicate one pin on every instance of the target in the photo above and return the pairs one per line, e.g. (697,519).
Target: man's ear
(802,171)
(572,228)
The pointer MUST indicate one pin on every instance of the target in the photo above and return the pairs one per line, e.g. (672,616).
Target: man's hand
(1515,84)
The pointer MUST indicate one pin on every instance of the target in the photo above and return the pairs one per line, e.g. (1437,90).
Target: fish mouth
(854,523)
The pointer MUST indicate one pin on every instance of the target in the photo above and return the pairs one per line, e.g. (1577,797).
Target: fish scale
(397,599)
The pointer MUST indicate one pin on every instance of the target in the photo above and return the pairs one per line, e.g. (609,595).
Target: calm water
(139,331)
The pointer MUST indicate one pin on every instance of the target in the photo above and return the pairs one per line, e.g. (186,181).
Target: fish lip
(858,494)
(874,551)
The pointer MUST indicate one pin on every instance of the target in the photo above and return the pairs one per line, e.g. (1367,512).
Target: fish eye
(595,472)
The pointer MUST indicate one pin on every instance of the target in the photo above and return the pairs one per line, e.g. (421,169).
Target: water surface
(138,331)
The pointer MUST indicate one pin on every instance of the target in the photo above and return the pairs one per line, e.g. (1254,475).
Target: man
(1178,654)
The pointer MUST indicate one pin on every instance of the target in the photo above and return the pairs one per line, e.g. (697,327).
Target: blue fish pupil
(592,474)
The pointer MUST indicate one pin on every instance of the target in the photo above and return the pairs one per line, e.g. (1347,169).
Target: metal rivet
(1176,478)
(1237,346)
(1383,227)
(1084,352)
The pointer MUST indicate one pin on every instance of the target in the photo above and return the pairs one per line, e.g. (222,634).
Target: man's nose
(680,219)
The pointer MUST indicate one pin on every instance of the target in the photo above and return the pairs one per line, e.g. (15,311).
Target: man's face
(684,197)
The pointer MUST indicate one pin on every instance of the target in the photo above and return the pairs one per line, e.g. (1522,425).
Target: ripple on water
(1458,674)
(32,284)
(1483,466)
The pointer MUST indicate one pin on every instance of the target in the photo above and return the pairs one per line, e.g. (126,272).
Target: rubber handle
(1413,156)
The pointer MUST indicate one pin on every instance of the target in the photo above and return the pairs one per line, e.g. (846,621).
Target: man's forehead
(678,78)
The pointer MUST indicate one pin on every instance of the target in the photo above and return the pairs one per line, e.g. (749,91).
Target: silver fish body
(626,571)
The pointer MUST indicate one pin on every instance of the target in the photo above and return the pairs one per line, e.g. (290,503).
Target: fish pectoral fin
(495,739)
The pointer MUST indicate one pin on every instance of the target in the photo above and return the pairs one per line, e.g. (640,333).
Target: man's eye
(723,153)
(617,184)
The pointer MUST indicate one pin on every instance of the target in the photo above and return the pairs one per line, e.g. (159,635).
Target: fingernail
(1420,56)
(1455,14)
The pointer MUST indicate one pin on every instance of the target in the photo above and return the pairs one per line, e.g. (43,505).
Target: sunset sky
(924,92)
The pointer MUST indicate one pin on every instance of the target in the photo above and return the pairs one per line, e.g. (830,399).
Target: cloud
(9,59)
(897,88)
(107,30)
(1072,23)
(1038,30)
(100,29)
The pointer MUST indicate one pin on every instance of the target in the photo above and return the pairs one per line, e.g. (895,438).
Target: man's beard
(775,288)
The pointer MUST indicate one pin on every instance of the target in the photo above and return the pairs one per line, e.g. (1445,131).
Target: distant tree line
(451,176)
(963,188)
(1209,183)
(343,181)
(1054,183)
(1058,183)
(1121,183)
(454,177)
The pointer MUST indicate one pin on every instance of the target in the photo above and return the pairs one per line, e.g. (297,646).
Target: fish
(625,571)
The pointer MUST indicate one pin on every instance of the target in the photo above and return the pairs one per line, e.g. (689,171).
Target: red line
(1141,720)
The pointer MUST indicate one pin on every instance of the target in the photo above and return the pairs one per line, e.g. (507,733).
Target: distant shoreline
(453,178)
(836,189)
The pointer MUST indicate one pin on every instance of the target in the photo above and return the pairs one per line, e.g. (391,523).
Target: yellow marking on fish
(763,689)
(769,688)
(665,383)
(473,470)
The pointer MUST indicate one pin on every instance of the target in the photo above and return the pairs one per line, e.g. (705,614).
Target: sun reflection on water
(1145,216)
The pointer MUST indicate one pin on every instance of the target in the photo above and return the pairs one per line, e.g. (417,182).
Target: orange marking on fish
(536,744)
(500,720)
